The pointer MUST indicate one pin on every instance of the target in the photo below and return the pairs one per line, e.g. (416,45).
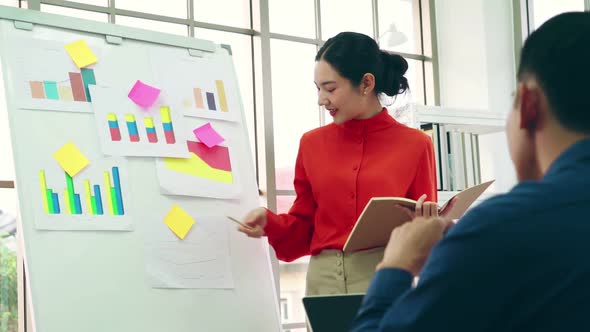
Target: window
(294,103)
(101,17)
(141,23)
(346,15)
(171,8)
(295,18)
(235,13)
(543,10)
(536,12)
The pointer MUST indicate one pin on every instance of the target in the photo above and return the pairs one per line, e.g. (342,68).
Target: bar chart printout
(93,199)
(126,129)
(204,99)
(73,89)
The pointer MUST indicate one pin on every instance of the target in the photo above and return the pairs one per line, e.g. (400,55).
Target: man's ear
(529,100)
(367,84)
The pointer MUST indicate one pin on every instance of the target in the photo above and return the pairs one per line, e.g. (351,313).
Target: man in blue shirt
(519,261)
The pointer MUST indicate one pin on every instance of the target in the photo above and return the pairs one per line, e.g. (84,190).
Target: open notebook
(381,215)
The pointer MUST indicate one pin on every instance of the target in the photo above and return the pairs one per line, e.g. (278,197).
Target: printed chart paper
(60,86)
(203,87)
(96,198)
(201,260)
(208,172)
(125,129)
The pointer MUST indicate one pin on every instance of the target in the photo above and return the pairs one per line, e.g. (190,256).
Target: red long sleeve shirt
(339,168)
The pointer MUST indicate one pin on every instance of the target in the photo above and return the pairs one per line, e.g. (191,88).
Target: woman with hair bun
(364,153)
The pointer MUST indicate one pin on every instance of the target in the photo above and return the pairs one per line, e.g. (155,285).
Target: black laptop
(332,313)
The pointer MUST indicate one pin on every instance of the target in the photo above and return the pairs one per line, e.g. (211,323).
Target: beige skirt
(335,272)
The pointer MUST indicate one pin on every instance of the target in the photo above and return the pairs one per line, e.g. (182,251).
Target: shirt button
(355,167)
(351,195)
(339,272)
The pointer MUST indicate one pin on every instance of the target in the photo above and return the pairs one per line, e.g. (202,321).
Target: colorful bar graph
(211,101)
(221,94)
(88,78)
(114,127)
(150,130)
(37,90)
(77,87)
(198,98)
(50,88)
(93,199)
(132,127)
(167,124)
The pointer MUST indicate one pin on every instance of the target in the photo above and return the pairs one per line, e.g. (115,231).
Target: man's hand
(410,244)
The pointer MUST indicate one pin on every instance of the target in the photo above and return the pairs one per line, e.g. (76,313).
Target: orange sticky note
(81,53)
(71,159)
(179,221)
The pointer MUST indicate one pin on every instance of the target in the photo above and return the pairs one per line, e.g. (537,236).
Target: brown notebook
(381,215)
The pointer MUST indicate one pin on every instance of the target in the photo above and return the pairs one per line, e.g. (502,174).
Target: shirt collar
(380,121)
(576,152)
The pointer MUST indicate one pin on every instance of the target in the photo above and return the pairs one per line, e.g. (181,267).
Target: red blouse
(339,169)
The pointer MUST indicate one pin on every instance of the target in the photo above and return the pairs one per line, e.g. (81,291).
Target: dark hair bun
(394,67)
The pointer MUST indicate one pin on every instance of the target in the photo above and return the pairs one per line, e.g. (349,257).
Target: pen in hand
(239,222)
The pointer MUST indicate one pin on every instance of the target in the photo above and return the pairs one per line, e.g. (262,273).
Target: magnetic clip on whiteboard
(193,52)
(114,40)
(23,25)
(227,47)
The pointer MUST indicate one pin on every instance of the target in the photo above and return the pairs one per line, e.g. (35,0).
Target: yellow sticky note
(179,221)
(81,53)
(71,159)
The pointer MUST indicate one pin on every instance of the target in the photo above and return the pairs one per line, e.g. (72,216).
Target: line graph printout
(200,260)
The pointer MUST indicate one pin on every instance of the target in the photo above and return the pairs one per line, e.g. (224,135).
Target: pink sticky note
(207,135)
(143,94)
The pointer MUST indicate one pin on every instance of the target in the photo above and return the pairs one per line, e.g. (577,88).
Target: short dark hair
(557,54)
(353,55)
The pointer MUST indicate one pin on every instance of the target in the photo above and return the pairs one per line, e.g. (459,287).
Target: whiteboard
(85,276)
